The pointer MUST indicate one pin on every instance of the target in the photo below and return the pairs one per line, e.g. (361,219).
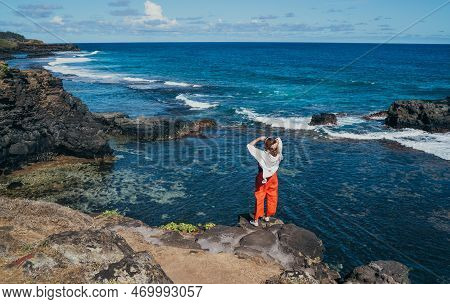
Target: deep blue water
(369,192)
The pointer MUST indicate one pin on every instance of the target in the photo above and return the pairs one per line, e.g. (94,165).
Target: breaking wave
(195,104)
(88,54)
(432,143)
(296,123)
(68,66)
(181,84)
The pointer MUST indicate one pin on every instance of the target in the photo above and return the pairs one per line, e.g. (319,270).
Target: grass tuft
(3,69)
(187,228)
(110,213)
(180,227)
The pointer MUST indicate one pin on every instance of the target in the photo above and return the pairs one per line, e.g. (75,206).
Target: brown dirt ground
(29,222)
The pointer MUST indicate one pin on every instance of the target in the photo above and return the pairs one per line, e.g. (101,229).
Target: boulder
(139,268)
(296,240)
(261,240)
(379,272)
(323,119)
(90,256)
(91,246)
(427,115)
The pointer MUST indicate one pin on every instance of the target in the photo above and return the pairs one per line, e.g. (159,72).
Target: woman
(266,184)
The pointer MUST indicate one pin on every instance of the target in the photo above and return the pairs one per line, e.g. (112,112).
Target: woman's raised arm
(253,142)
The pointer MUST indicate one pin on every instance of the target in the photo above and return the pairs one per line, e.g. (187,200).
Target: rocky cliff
(38,117)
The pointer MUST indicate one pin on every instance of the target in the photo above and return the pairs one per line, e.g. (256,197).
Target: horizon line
(279,42)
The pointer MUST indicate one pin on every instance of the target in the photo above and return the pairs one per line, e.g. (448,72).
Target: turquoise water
(369,192)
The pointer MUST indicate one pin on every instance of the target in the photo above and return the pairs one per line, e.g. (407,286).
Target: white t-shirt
(267,161)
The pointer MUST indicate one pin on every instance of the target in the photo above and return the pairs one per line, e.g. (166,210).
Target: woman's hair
(268,143)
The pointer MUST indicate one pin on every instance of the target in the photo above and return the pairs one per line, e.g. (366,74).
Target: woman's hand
(261,138)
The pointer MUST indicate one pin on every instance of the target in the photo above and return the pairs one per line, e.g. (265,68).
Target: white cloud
(153,17)
(153,11)
(57,20)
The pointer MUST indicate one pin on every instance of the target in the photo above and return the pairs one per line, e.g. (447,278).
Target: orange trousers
(268,190)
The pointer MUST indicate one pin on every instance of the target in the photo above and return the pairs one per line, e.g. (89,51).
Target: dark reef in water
(150,128)
(427,115)
(323,119)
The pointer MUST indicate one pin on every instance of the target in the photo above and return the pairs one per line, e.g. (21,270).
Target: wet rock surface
(323,119)
(427,115)
(145,128)
(379,272)
(381,115)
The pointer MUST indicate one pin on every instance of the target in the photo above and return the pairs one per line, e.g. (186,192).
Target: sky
(394,21)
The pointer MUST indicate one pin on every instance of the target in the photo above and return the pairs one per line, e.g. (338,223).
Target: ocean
(369,192)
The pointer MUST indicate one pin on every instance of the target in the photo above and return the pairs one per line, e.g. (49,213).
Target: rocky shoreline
(12,44)
(47,243)
(40,120)
(428,115)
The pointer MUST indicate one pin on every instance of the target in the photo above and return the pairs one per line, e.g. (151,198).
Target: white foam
(137,79)
(433,143)
(65,60)
(296,123)
(181,84)
(82,73)
(195,104)
(349,120)
(177,84)
(63,65)
(142,86)
(89,54)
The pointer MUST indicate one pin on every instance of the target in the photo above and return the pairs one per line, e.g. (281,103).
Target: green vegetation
(187,228)
(11,35)
(27,247)
(110,213)
(209,226)
(180,227)
(7,44)
(3,69)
